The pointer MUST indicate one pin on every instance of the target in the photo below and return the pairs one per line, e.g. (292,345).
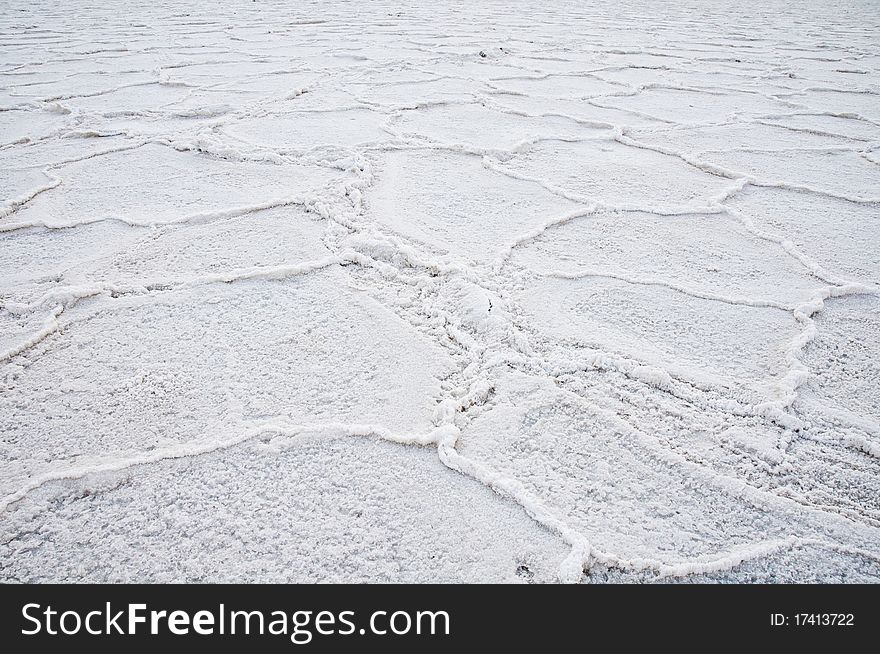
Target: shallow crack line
(728,560)
(818,113)
(68,297)
(492,103)
(720,171)
(94,94)
(89,134)
(808,130)
(50,326)
(713,205)
(536,232)
(15,204)
(785,150)
(195,218)
(199,448)
(857,442)
(739,301)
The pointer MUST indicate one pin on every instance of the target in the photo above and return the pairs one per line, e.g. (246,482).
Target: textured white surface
(436,291)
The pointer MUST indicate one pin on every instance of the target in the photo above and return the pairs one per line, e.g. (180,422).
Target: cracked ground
(437,291)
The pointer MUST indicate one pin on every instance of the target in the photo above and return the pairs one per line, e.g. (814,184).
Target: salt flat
(440,291)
